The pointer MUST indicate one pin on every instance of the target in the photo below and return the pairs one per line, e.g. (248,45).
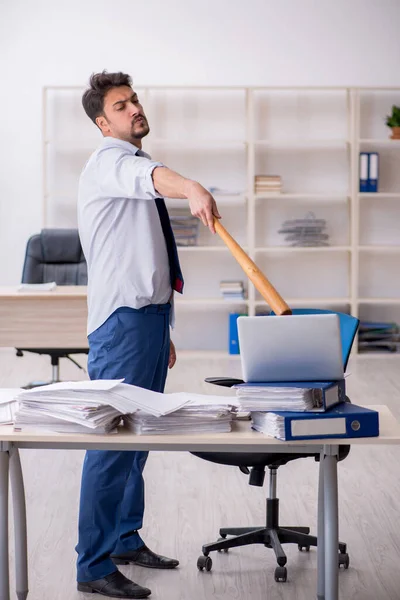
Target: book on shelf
(232,289)
(363,171)
(373,172)
(185,227)
(267,183)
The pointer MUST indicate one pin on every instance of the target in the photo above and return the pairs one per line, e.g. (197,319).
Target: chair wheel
(281,574)
(305,548)
(344,561)
(221,539)
(204,562)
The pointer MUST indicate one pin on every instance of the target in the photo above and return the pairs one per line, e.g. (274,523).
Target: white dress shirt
(120,231)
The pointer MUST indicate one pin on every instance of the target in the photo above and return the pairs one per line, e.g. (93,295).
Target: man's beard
(139,131)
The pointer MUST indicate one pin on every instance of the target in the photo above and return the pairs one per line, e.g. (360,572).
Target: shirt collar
(112,141)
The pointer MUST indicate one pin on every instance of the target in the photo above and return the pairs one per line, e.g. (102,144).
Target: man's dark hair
(100,84)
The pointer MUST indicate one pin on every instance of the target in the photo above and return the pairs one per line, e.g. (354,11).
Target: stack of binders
(369,172)
(306,410)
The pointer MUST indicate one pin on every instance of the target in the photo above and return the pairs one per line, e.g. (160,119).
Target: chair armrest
(224,381)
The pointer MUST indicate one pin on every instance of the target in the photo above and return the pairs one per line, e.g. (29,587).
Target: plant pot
(395,133)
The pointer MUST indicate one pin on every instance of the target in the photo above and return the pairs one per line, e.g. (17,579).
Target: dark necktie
(174,266)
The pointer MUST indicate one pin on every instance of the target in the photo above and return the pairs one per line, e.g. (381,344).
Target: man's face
(123,116)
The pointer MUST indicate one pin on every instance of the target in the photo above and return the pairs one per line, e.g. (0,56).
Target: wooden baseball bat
(266,289)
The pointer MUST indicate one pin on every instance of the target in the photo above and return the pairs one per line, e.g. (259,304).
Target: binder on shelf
(342,421)
(325,394)
(363,171)
(373,171)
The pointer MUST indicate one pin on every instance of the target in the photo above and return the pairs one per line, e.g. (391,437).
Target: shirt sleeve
(125,175)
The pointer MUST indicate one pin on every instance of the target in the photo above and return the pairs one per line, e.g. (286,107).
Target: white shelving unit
(225,136)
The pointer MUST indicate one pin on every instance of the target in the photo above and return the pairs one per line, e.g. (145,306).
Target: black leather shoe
(115,585)
(145,558)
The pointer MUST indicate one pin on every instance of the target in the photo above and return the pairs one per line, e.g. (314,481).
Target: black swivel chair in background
(273,535)
(54,255)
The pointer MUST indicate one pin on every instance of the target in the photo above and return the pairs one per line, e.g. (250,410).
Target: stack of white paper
(71,407)
(8,405)
(97,407)
(270,424)
(91,406)
(265,398)
(202,414)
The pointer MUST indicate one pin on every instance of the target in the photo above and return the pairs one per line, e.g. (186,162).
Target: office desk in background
(55,319)
(241,439)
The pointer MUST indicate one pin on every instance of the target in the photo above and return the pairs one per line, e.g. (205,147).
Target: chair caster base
(281,574)
(204,562)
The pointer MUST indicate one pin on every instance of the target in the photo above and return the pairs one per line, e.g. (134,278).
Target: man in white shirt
(133,269)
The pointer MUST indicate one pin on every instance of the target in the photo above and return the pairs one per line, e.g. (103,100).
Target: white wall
(213,42)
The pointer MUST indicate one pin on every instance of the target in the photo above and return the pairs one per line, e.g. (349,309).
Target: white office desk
(55,319)
(241,439)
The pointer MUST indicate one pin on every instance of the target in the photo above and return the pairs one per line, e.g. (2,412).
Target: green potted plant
(393,121)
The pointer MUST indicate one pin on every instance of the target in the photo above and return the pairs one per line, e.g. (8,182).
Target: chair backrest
(348,328)
(55,255)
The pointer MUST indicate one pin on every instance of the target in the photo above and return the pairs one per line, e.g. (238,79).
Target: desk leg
(321,533)
(331,518)
(4,565)
(19,509)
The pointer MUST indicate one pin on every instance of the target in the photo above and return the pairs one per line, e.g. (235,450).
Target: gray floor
(188,500)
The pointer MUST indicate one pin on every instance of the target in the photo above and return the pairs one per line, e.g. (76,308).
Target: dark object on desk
(272,535)
(54,255)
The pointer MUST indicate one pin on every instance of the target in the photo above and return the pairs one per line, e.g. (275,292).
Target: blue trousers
(133,344)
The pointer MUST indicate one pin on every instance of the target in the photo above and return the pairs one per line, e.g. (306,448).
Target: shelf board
(378,301)
(221,200)
(205,248)
(376,355)
(379,194)
(304,249)
(205,354)
(310,301)
(194,144)
(209,302)
(301,196)
(303,144)
(394,249)
(381,142)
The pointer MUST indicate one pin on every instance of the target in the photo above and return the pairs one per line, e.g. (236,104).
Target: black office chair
(54,255)
(273,535)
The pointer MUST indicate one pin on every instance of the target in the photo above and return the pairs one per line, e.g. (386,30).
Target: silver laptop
(290,348)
